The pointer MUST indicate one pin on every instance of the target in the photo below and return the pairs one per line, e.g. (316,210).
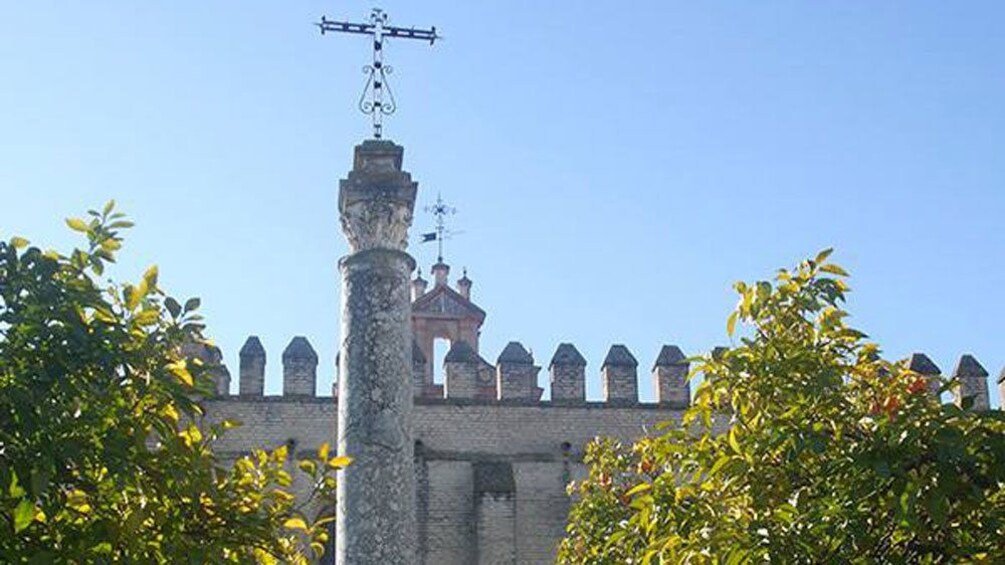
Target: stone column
(376,492)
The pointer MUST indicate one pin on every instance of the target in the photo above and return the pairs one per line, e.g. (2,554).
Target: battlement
(513,378)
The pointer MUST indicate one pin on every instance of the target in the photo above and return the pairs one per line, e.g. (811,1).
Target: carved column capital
(377,198)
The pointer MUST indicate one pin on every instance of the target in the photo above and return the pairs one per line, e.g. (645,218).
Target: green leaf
(718,465)
(192,304)
(23,515)
(834,270)
(172,306)
(76,224)
(108,207)
(823,255)
(731,323)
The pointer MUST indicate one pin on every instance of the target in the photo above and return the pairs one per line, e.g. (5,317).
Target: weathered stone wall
(465,515)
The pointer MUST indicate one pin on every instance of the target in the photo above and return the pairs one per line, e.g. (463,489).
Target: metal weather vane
(372,100)
(440,210)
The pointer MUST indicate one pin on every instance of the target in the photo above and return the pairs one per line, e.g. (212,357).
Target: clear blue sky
(616,166)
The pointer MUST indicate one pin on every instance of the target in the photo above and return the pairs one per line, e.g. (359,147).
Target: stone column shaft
(376,492)
(375,512)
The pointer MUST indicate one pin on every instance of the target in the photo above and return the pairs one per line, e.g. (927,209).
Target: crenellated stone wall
(491,458)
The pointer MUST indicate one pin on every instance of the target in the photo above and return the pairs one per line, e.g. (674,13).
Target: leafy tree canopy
(802,445)
(104,453)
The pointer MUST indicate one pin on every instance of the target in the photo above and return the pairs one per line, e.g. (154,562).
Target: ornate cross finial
(441,211)
(372,100)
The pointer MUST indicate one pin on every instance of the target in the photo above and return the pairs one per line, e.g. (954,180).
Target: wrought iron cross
(372,100)
(441,211)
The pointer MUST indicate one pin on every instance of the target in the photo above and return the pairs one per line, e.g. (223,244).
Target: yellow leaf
(323,451)
(641,487)
(190,435)
(823,255)
(339,462)
(77,500)
(170,413)
(76,224)
(733,441)
(280,454)
(179,370)
(295,523)
(139,292)
(18,242)
(147,317)
(834,270)
(150,276)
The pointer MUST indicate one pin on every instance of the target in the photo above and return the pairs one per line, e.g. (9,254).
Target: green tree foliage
(802,446)
(105,456)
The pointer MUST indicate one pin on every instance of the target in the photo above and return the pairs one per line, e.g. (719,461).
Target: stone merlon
(251,370)
(567,355)
(921,364)
(972,383)
(461,352)
(252,347)
(619,356)
(620,376)
(300,364)
(670,355)
(568,375)
(299,348)
(514,352)
(968,366)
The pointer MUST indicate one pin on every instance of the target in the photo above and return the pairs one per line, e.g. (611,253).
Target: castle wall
(491,476)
